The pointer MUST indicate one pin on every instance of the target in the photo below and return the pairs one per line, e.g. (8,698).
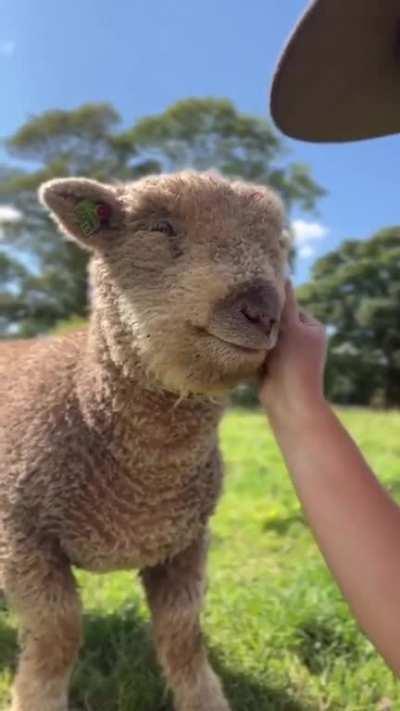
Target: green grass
(277,629)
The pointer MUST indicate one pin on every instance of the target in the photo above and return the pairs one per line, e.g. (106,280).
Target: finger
(308,319)
(290,313)
(305,317)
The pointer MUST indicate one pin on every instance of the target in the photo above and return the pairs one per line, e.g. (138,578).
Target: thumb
(309,320)
(290,314)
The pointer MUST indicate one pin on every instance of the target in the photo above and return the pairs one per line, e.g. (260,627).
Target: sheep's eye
(163,226)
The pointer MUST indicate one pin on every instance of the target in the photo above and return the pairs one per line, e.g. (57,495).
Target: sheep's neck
(133,412)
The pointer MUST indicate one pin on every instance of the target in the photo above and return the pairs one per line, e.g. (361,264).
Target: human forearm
(355,522)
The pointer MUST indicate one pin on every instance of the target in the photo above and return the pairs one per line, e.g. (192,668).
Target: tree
(58,143)
(199,133)
(211,133)
(355,290)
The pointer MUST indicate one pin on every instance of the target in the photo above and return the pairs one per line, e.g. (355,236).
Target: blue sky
(143,56)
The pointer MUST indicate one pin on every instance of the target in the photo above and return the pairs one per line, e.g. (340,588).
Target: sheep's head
(188,269)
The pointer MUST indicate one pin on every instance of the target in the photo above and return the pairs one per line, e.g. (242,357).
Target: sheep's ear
(85,210)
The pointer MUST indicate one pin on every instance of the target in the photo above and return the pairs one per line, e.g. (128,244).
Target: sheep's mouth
(245,350)
(233,345)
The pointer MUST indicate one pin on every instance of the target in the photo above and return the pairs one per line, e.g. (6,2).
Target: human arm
(355,522)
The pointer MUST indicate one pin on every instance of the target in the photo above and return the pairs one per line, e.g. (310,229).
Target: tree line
(355,290)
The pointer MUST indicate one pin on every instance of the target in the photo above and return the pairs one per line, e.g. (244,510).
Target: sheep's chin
(206,376)
(201,365)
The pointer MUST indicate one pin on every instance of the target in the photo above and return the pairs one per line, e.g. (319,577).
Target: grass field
(278,632)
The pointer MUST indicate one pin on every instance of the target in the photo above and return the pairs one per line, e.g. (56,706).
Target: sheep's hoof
(219,705)
(37,708)
(207,697)
(42,705)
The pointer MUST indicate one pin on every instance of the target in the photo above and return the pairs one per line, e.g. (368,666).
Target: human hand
(292,382)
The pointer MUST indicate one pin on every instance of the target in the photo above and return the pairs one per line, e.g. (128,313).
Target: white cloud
(306,234)
(308,231)
(306,252)
(9,213)
(7,48)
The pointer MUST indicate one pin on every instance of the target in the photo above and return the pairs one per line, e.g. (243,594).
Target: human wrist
(297,415)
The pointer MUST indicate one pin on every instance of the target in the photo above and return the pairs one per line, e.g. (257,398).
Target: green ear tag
(89,221)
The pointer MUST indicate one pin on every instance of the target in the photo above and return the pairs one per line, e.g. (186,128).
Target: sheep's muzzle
(248,318)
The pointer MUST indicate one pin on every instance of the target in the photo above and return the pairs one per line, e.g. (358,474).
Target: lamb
(108,437)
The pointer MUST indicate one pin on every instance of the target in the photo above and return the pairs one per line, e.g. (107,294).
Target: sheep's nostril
(251,314)
(258,317)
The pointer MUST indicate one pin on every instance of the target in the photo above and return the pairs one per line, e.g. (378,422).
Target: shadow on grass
(8,641)
(394,489)
(319,643)
(117,670)
(247,693)
(283,524)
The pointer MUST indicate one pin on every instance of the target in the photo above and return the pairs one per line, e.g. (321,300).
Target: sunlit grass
(278,631)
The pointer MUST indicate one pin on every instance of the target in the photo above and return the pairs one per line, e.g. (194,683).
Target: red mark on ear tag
(91,216)
(104,212)
(257,196)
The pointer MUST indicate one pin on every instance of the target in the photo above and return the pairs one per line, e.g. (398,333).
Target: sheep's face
(189,268)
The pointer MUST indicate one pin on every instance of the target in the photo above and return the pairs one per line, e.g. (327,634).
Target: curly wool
(108,437)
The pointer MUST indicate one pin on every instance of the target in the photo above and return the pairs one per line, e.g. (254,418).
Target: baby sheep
(108,437)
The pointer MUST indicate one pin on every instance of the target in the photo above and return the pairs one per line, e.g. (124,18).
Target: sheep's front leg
(41,590)
(175,593)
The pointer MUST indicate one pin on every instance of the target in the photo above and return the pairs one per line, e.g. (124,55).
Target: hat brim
(339,76)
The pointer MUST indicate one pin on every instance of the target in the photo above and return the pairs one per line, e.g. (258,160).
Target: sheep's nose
(259,305)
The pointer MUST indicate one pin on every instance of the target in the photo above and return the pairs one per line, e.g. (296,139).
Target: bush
(245,395)
(353,377)
(74,323)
